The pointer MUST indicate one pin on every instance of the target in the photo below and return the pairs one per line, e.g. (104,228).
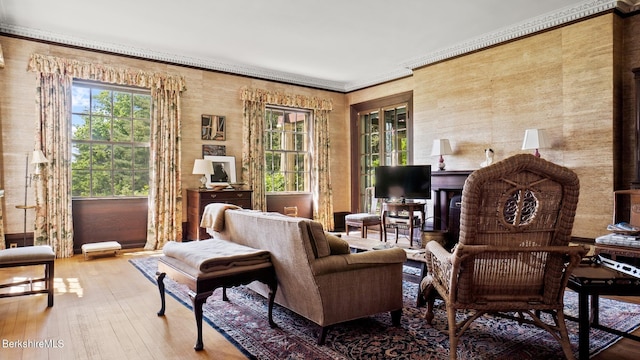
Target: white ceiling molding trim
(540,23)
(237,69)
(531,26)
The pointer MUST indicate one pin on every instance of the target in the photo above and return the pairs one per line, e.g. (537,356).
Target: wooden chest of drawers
(197,200)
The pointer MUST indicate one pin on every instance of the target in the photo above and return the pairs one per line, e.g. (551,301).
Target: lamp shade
(202,167)
(441,147)
(38,157)
(534,139)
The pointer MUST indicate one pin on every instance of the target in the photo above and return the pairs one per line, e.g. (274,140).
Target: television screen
(403,182)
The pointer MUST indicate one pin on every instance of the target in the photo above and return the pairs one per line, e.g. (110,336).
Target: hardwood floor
(105,309)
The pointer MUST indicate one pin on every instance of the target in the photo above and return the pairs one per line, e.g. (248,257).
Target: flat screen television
(403,182)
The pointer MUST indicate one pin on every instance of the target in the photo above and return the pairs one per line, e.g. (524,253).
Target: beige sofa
(317,276)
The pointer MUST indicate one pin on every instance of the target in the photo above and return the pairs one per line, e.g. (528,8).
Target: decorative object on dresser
(441,147)
(535,139)
(223,171)
(197,199)
(488,157)
(202,167)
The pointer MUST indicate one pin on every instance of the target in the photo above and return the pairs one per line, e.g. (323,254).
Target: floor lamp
(37,159)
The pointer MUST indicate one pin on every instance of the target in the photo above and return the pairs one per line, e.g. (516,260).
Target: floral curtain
(53,197)
(322,194)
(254,103)
(53,222)
(253,147)
(165,188)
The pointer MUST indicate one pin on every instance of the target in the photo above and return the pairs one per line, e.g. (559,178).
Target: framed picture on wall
(223,172)
(213,127)
(214,150)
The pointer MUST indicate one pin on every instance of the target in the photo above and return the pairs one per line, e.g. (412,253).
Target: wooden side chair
(513,253)
(42,255)
(367,219)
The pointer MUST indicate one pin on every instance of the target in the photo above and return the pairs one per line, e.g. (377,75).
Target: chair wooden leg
(453,333)
(364,231)
(49,275)
(564,336)
(322,337)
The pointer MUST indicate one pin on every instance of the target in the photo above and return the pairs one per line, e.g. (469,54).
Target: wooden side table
(410,207)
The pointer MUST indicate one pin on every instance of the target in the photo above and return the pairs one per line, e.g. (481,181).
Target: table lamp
(202,167)
(441,147)
(535,139)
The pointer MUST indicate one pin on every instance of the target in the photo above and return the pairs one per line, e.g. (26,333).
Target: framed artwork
(223,170)
(213,127)
(214,150)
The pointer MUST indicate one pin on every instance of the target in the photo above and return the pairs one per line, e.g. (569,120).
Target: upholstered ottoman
(30,256)
(209,264)
(101,248)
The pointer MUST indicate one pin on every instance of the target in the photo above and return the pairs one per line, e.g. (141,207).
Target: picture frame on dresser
(223,170)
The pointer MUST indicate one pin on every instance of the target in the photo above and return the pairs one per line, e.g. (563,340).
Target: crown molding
(528,27)
(209,64)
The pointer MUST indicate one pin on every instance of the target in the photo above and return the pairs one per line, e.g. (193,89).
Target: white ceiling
(340,45)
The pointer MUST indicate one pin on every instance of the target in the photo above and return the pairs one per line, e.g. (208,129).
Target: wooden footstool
(227,268)
(101,248)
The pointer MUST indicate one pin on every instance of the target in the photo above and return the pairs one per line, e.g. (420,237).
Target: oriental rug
(243,321)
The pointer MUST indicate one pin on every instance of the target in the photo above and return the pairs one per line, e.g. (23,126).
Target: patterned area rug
(243,320)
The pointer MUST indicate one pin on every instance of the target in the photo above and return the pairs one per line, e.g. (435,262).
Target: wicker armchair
(512,257)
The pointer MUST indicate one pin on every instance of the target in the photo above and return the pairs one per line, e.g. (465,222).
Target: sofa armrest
(338,263)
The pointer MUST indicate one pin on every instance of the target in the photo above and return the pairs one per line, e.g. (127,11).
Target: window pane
(276,141)
(141,106)
(101,156)
(100,128)
(141,130)
(80,100)
(141,183)
(101,183)
(80,186)
(80,156)
(141,158)
(123,183)
(300,142)
(80,127)
(121,104)
(101,102)
(122,130)
(122,157)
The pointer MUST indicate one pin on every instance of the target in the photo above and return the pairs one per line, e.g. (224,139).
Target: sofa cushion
(337,245)
(318,239)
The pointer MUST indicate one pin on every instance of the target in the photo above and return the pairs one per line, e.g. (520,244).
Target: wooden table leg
(583,325)
(198,300)
(160,281)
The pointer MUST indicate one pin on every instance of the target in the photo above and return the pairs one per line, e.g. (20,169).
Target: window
(287,156)
(110,132)
(382,145)
(382,132)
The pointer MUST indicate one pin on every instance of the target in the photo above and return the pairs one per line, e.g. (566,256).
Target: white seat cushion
(361,217)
